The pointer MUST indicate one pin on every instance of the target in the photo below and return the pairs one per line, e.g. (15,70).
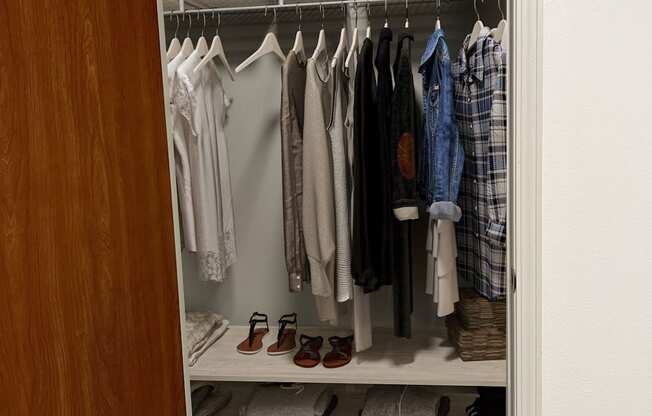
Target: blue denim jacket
(442,154)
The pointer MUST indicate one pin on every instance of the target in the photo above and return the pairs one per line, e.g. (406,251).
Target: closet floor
(426,359)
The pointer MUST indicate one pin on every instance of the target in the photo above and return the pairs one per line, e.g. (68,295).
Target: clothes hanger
(368,34)
(354,40)
(499,32)
(407,15)
(386,15)
(321,39)
(438,22)
(216,50)
(477,28)
(202,46)
(298,47)
(342,43)
(175,44)
(186,49)
(187,46)
(269,45)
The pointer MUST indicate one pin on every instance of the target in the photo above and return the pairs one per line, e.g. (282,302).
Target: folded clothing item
(202,330)
(208,399)
(292,400)
(402,400)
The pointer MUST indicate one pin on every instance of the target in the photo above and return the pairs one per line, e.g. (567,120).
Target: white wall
(597,208)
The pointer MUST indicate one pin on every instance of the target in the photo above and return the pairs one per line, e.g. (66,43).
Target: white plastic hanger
(354,40)
(269,45)
(438,22)
(407,15)
(216,50)
(368,34)
(321,38)
(186,49)
(175,45)
(499,32)
(202,46)
(298,47)
(386,15)
(477,28)
(341,45)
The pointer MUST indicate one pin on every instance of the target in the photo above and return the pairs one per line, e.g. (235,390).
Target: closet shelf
(426,359)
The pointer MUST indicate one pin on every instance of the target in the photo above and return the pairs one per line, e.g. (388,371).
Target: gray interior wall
(258,281)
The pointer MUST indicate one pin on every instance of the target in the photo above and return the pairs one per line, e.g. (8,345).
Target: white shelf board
(426,359)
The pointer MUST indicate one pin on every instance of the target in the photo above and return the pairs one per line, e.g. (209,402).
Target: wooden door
(89,319)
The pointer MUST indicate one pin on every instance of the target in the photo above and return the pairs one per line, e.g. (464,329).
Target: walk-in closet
(280,257)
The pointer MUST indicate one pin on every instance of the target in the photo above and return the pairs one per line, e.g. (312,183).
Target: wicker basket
(477,344)
(475,312)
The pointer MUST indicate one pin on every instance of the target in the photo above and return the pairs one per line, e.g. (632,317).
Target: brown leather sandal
(341,353)
(308,356)
(285,340)
(254,342)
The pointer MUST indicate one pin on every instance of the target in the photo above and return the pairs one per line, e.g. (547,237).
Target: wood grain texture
(89,320)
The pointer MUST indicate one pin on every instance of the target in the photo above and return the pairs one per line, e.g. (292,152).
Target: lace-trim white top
(201,105)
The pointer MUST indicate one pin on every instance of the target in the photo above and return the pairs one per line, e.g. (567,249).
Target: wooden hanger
(354,40)
(321,38)
(269,45)
(175,45)
(298,47)
(477,28)
(216,50)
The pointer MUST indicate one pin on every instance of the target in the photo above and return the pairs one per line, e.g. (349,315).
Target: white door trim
(526,127)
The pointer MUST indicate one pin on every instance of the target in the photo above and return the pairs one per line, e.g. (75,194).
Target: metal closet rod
(294,6)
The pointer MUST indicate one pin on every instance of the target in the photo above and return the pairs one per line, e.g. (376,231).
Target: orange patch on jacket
(405,154)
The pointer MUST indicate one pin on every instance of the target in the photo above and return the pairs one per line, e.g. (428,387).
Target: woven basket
(477,344)
(475,312)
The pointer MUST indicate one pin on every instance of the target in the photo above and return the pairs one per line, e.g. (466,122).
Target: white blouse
(201,104)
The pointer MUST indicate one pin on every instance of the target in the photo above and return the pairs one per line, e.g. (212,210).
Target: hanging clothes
(368,215)
(337,132)
(361,301)
(390,246)
(318,196)
(201,103)
(481,231)
(182,173)
(292,112)
(440,173)
(404,143)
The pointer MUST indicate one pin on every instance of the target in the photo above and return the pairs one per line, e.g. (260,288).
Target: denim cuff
(445,210)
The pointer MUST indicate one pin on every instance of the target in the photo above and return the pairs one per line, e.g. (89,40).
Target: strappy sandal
(285,340)
(308,356)
(341,353)
(254,342)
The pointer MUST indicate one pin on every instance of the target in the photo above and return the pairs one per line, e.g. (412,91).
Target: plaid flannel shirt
(481,110)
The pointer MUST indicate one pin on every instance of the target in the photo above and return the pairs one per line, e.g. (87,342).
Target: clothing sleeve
(404,143)
(497,155)
(318,206)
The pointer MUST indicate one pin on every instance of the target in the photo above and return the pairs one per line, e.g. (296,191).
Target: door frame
(526,117)
(175,207)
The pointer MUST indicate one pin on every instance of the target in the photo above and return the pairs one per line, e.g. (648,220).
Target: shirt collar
(471,60)
(431,46)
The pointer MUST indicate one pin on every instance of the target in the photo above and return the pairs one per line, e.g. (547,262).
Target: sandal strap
(253,321)
(310,347)
(306,340)
(291,319)
(342,346)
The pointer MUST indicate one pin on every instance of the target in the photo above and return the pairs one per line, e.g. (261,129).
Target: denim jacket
(442,154)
